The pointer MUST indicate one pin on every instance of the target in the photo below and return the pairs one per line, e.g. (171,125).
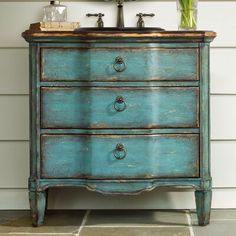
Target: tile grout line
(135,226)
(83,222)
(30,234)
(190,223)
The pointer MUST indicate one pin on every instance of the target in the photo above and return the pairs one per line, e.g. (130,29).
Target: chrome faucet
(120,14)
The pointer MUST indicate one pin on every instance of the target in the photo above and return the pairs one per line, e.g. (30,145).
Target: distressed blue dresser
(119,113)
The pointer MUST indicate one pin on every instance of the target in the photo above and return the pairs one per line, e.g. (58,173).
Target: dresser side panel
(204,111)
(34,110)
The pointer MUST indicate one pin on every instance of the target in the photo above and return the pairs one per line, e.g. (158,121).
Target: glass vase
(55,12)
(187,14)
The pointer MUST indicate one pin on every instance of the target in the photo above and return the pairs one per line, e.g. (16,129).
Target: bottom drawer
(120,156)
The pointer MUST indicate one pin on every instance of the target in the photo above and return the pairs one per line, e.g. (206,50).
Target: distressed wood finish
(85,64)
(38,201)
(164,36)
(75,107)
(161,138)
(92,156)
(203,202)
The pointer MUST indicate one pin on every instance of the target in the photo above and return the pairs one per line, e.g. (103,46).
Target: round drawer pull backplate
(119,64)
(120,104)
(120,151)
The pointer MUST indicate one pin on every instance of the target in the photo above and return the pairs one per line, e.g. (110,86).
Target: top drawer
(123,64)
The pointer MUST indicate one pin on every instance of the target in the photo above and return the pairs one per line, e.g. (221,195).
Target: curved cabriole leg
(203,203)
(37,206)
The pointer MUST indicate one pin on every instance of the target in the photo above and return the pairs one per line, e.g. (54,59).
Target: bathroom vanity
(119,112)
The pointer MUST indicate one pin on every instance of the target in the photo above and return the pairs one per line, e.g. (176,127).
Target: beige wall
(14,151)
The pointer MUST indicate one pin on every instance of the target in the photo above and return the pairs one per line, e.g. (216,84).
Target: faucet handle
(140,23)
(100,22)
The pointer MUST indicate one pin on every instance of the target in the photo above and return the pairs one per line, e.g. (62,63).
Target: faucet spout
(120,14)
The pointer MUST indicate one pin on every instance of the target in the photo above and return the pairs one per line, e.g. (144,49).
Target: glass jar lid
(54,2)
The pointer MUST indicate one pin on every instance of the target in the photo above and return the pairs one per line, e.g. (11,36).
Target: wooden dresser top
(162,36)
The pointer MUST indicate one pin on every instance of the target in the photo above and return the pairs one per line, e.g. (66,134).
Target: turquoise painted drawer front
(95,156)
(101,64)
(91,107)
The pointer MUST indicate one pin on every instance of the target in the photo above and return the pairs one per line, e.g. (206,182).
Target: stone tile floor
(119,223)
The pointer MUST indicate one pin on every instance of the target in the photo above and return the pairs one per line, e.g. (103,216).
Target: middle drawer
(126,107)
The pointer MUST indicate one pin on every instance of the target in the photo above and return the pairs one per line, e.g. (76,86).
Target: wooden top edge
(30,35)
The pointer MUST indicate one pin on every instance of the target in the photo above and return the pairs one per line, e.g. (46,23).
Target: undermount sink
(115,29)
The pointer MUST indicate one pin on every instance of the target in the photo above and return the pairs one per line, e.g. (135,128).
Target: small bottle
(55,12)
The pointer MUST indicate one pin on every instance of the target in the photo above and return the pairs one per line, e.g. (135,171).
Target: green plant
(188,11)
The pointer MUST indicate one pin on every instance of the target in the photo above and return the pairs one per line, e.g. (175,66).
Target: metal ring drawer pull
(120,104)
(120,151)
(119,64)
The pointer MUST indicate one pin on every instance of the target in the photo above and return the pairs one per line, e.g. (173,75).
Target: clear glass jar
(55,12)
(187,14)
